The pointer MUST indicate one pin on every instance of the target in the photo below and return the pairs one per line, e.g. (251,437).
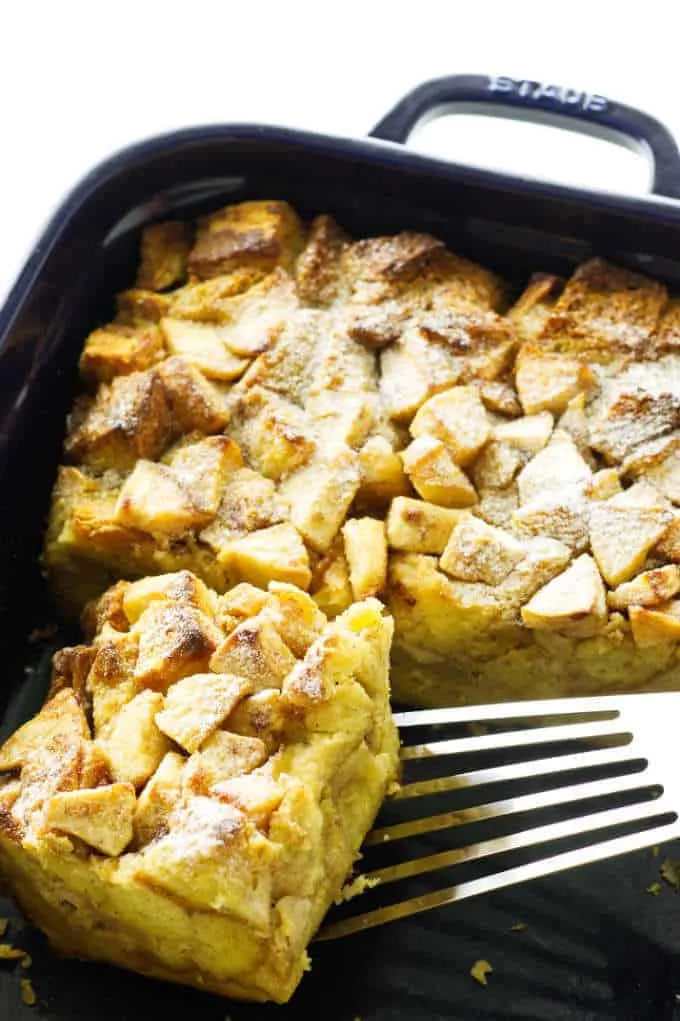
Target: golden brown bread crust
(385,379)
(194,792)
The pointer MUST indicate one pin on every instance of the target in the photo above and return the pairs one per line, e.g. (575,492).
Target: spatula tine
(536,768)
(516,739)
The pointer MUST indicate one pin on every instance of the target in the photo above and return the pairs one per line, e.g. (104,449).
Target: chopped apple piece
(653,627)
(573,603)
(179,587)
(154,500)
(458,418)
(262,715)
(202,346)
(269,554)
(434,476)
(198,705)
(102,817)
(132,741)
(497,465)
(547,382)
(500,398)
(295,615)
(648,589)
(254,793)
(530,433)
(479,552)
(196,402)
(420,527)
(556,466)
(223,756)
(382,473)
(602,485)
(562,516)
(366,553)
(622,536)
(158,798)
(320,496)
(203,468)
(250,502)
(243,600)
(330,588)
(255,650)
(174,640)
(60,722)
(340,417)
(544,559)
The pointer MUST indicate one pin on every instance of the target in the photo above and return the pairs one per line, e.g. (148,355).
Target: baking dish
(579,956)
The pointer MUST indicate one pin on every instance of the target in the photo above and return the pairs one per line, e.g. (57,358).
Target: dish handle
(542,103)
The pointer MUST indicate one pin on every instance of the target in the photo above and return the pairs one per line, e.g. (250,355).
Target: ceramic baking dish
(596,944)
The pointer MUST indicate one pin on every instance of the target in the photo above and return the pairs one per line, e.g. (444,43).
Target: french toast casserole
(380,417)
(280,427)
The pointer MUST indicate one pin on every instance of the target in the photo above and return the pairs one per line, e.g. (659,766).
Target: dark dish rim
(659,208)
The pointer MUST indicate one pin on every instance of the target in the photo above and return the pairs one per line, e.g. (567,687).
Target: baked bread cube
(259,234)
(117,350)
(164,252)
(128,419)
(604,314)
(197,835)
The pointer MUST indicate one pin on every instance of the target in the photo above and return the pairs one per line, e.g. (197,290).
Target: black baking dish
(597,945)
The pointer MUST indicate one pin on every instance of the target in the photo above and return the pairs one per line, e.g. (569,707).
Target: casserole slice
(192,796)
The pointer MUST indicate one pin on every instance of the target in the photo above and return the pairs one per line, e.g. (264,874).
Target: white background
(81,79)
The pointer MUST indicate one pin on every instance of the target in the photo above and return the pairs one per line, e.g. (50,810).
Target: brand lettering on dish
(561,96)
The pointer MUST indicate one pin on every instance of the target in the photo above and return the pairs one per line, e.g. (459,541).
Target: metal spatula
(497,795)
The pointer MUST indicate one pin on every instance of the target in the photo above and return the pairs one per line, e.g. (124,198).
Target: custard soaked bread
(275,401)
(193,794)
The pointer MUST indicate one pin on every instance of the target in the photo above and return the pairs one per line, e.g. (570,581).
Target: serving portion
(275,401)
(193,794)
